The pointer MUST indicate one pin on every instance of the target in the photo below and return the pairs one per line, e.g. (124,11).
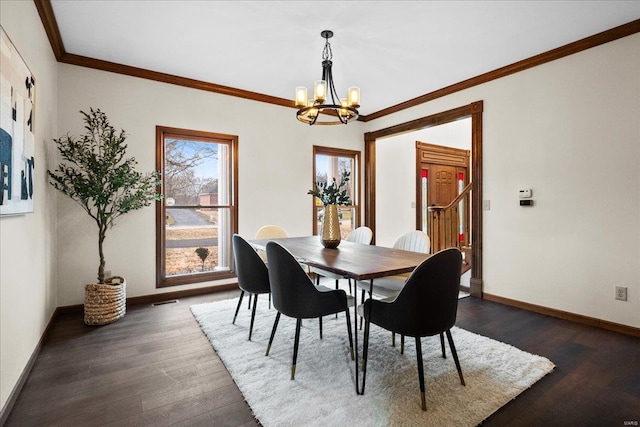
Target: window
(198,215)
(329,163)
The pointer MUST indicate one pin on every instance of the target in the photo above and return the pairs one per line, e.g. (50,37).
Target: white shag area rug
(323,392)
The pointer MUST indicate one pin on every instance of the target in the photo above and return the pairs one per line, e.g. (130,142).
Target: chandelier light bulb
(313,112)
(301,96)
(343,111)
(320,90)
(354,96)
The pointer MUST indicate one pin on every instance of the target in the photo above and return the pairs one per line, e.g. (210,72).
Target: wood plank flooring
(155,367)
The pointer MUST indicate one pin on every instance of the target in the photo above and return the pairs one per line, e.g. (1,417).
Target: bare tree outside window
(183,159)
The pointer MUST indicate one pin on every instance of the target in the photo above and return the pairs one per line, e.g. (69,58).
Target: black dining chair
(253,276)
(294,295)
(427,305)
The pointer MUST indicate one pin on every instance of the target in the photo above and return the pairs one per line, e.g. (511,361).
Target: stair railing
(444,223)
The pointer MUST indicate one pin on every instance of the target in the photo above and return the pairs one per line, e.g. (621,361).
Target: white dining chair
(271,232)
(390,286)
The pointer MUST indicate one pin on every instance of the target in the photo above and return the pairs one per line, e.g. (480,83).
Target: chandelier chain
(327,54)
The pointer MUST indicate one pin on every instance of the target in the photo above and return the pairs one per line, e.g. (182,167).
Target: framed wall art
(17,139)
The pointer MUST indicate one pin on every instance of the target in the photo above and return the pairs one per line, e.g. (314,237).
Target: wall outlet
(486,205)
(621,293)
(107,273)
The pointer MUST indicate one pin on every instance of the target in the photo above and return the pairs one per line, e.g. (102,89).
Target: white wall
(275,168)
(568,130)
(396,175)
(27,242)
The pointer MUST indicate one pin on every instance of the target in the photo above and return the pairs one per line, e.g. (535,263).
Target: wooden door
(443,184)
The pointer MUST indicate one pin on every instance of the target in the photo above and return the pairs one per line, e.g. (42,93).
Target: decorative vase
(330,227)
(105,303)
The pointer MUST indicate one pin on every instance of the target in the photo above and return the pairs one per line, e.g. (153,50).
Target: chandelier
(325,96)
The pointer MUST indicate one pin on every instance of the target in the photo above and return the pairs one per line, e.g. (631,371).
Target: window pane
(193,240)
(330,163)
(192,173)
(424,186)
(329,167)
(197,218)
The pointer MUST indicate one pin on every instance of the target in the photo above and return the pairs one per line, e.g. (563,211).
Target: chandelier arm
(332,88)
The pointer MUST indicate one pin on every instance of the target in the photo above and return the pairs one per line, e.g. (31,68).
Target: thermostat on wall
(525,194)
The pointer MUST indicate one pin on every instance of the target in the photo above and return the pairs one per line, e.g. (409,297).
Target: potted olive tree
(96,174)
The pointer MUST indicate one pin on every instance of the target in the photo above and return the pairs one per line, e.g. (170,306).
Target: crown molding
(566,50)
(98,64)
(50,24)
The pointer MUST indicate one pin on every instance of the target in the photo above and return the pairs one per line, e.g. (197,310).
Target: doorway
(441,175)
(473,111)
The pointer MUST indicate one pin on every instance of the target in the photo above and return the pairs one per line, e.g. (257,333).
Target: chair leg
(337,287)
(296,341)
(320,324)
(444,354)
(455,356)
(420,372)
(273,333)
(238,308)
(346,312)
(253,314)
(401,344)
(349,281)
(269,300)
(393,339)
(249,304)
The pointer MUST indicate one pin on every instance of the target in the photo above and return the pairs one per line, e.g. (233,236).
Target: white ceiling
(393,50)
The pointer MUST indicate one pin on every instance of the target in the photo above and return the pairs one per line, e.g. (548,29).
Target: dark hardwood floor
(155,367)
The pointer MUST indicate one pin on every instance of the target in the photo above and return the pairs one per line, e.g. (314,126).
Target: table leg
(364,350)
(355,340)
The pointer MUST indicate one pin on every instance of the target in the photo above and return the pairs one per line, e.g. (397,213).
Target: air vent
(171,301)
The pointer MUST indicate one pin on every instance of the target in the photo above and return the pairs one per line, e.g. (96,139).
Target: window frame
(355,178)
(163,132)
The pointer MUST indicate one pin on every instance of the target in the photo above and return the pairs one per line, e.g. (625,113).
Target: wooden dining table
(350,260)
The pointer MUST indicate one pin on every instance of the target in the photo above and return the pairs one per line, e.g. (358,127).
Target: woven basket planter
(105,303)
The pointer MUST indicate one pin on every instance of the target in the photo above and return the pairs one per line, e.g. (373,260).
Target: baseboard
(573,317)
(17,388)
(155,298)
